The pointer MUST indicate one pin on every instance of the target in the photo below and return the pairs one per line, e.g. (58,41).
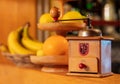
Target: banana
(3,48)
(40,53)
(11,51)
(28,42)
(14,43)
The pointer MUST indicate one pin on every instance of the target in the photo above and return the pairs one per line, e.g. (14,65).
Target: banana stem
(26,30)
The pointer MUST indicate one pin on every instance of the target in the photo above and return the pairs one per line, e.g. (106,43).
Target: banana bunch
(28,42)
(14,43)
(20,42)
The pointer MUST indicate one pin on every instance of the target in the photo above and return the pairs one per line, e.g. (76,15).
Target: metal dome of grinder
(89,30)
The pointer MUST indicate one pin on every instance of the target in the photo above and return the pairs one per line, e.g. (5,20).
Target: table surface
(10,74)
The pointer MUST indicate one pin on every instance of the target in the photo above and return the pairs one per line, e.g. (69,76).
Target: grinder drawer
(83,64)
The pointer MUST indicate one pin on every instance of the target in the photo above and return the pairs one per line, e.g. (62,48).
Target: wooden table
(10,74)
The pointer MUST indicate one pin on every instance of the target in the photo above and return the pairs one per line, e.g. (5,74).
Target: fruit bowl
(61,28)
(51,63)
(19,60)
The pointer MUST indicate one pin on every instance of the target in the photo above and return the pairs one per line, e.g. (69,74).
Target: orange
(55,45)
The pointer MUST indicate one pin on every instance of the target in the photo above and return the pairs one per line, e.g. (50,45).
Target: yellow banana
(28,42)
(3,48)
(40,53)
(14,43)
(11,51)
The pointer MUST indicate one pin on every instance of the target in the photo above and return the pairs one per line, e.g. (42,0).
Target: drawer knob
(82,66)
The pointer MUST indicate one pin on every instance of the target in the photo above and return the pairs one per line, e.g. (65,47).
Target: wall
(13,14)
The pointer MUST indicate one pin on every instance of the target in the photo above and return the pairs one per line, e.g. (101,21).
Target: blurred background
(104,13)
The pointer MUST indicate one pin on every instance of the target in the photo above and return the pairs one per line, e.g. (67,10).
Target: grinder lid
(89,32)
